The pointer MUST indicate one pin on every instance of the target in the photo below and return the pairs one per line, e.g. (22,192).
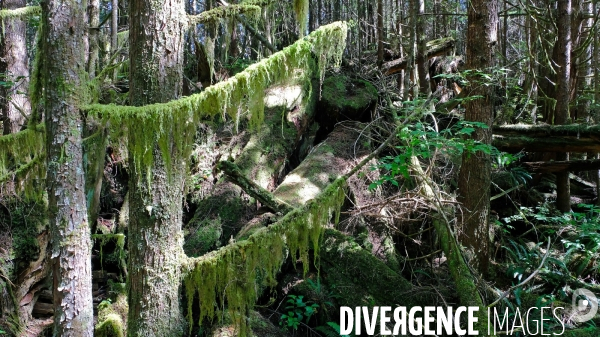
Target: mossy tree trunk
(14,103)
(475,172)
(155,192)
(64,79)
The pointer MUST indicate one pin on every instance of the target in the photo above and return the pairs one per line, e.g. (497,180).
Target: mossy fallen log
(235,174)
(434,48)
(562,166)
(545,143)
(534,131)
(329,160)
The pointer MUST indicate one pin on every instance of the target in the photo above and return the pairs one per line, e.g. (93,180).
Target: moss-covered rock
(112,314)
(344,98)
(360,278)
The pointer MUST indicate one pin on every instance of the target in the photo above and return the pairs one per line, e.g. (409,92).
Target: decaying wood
(234,173)
(545,143)
(434,48)
(562,166)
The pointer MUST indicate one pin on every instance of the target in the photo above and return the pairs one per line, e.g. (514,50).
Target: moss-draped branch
(20,13)
(234,273)
(224,12)
(242,96)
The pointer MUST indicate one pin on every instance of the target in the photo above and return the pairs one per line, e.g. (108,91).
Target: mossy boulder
(112,313)
(357,278)
(345,98)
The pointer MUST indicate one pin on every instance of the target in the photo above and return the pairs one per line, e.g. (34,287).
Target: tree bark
(94,18)
(561,115)
(14,102)
(63,77)
(155,237)
(475,173)
(422,51)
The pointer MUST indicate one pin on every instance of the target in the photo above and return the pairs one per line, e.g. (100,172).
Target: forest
(267,168)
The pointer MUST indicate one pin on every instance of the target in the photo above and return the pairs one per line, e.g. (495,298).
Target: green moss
(360,278)
(112,318)
(240,96)
(222,12)
(233,274)
(24,220)
(346,94)
(261,3)
(22,12)
(21,154)
(301,11)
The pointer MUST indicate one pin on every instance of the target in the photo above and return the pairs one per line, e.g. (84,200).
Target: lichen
(232,275)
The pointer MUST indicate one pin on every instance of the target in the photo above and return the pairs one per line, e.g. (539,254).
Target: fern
(332,329)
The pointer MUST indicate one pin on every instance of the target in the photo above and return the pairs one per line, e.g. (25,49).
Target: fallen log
(329,160)
(562,166)
(434,48)
(546,143)
(234,173)
(575,131)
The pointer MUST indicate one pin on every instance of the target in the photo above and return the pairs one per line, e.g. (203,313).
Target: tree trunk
(14,102)
(561,115)
(475,172)
(63,77)
(155,237)
(545,144)
(379,33)
(422,59)
(94,18)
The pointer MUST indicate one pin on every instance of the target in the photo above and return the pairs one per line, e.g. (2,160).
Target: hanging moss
(22,12)
(231,276)
(216,14)
(119,240)
(21,160)
(261,3)
(241,95)
(301,11)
